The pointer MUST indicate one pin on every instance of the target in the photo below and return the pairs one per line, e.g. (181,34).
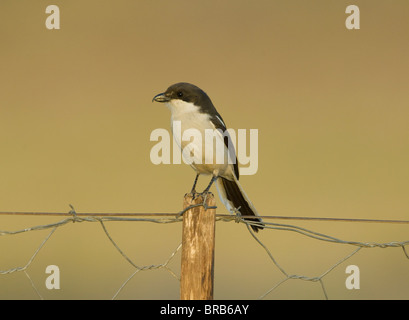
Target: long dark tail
(233,196)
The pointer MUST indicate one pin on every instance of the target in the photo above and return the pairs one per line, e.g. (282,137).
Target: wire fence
(166,218)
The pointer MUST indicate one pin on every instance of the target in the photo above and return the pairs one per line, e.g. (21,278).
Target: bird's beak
(161,97)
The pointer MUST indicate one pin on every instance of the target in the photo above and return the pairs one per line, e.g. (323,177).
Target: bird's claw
(192,194)
(204,196)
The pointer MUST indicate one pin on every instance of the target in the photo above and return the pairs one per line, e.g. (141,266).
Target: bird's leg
(214,178)
(193,191)
(206,191)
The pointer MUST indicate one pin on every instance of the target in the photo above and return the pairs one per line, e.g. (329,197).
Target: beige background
(330,104)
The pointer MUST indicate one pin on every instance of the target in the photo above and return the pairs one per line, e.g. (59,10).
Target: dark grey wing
(219,124)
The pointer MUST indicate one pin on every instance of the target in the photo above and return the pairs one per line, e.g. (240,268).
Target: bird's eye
(180,94)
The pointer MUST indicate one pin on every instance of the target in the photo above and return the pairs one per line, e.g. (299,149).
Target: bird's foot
(193,194)
(204,197)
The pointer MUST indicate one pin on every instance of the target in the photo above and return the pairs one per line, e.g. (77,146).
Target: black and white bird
(192,108)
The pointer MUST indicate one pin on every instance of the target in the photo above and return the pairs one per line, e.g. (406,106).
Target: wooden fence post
(198,239)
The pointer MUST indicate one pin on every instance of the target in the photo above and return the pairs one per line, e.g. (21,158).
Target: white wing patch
(220,120)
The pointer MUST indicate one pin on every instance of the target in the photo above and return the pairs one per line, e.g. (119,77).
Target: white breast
(190,117)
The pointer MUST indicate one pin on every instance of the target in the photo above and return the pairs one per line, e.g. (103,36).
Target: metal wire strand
(164,218)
